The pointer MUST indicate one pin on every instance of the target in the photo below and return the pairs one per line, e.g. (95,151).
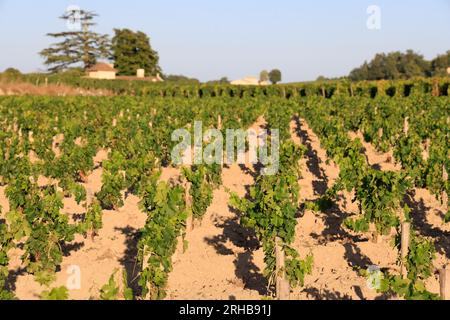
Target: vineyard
(326,89)
(89,194)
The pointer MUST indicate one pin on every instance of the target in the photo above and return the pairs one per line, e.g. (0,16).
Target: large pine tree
(77,47)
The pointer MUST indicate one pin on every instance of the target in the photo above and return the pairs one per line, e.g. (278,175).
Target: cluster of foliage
(60,293)
(333,119)
(77,46)
(6,243)
(398,65)
(180,79)
(419,266)
(35,215)
(113,291)
(223,80)
(167,214)
(422,150)
(132,51)
(273,76)
(204,179)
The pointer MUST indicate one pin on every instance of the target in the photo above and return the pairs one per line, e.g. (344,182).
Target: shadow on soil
(129,260)
(245,268)
(313,161)
(419,217)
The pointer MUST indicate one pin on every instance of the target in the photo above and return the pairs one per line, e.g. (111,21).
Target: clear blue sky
(208,39)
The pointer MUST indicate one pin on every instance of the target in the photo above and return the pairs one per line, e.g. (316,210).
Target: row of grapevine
(273,205)
(56,140)
(380,194)
(371,89)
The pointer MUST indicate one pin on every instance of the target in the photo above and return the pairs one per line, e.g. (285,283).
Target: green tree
(264,76)
(81,46)
(180,79)
(361,73)
(413,65)
(223,80)
(393,66)
(275,76)
(440,64)
(132,51)
(11,74)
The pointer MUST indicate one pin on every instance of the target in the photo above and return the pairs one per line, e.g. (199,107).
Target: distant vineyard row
(372,89)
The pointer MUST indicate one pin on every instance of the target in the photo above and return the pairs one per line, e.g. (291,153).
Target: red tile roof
(101,66)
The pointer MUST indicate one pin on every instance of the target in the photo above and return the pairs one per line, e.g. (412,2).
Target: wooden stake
(380,133)
(145,266)
(444,193)
(187,196)
(444,276)
(283,289)
(279,254)
(188,202)
(406,229)
(89,197)
(219,122)
(435,91)
(426,153)
(282,286)
(406,126)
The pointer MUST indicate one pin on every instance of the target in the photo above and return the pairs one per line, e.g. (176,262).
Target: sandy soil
(338,254)
(378,160)
(224,260)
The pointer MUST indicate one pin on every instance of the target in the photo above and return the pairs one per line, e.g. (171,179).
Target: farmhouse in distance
(101,70)
(106,71)
(250,81)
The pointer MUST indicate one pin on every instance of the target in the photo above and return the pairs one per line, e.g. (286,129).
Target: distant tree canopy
(12,71)
(440,64)
(223,80)
(264,76)
(275,76)
(132,51)
(78,46)
(398,65)
(180,79)
(10,74)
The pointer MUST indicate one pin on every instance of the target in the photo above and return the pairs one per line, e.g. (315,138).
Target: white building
(249,81)
(102,71)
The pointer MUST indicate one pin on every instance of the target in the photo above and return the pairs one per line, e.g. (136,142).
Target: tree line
(401,66)
(131,50)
